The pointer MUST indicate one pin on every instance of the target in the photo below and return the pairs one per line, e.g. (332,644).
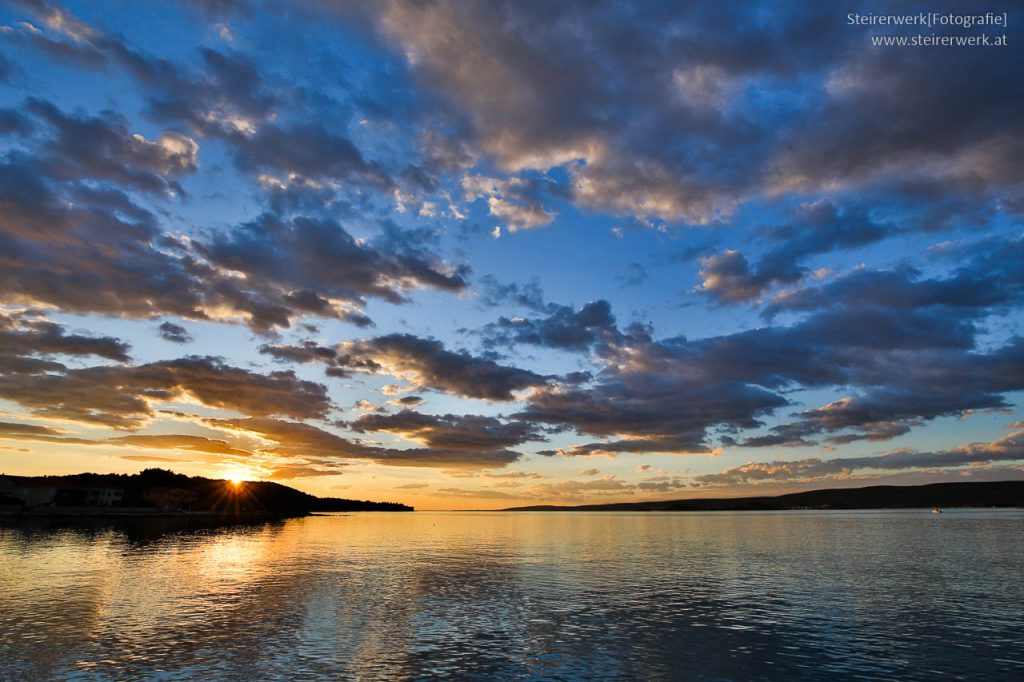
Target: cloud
(728,278)
(818,227)
(452,432)
(92,250)
(367,406)
(495,294)
(745,103)
(984,282)
(226,100)
(104,148)
(427,363)
(424,362)
(876,96)
(122,396)
(9,429)
(315,266)
(516,201)
(6,69)
(314,446)
(286,473)
(71,223)
(564,328)
(1009,448)
(307,151)
(487,494)
(407,401)
(22,334)
(14,122)
(189,443)
(659,412)
(179,442)
(174,333)
(438,458)
(152,458)
(904,352)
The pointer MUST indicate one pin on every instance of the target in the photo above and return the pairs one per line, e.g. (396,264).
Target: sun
(237,478)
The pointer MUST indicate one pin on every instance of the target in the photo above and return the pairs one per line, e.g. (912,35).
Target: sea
(799,595)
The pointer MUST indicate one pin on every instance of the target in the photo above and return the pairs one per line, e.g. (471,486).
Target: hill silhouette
(985,494)
(210,495)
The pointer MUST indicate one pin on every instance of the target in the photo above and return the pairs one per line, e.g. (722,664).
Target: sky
(479,254)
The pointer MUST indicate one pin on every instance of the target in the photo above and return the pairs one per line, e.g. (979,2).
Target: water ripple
(774,596)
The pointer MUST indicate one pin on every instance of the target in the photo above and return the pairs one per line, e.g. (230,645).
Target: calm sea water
(566,596)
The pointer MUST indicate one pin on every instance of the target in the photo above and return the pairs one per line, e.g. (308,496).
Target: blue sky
(483,253)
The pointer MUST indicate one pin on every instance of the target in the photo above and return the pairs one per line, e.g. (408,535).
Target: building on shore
(170,499)
(29,492)
(103,497)
(43,492)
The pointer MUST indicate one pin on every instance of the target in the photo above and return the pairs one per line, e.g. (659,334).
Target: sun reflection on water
(520,596)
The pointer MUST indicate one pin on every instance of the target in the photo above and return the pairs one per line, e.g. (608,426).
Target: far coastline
(1005,494)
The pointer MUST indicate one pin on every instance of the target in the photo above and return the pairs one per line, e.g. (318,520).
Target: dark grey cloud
(986,280)
(728,277)
(120,396)
(450,432)
(14,122)
(104,148)
(174,333)
(224,99)
(88,248)
(316,259)
(904,113)
(496,294)
(25,334)
(564,328)
(424,362)
(902,348)
(681,112)
(677,112)
(659,414)
(427,363)
(1009,448)
(15,429)
(311,446)
(634,275)
(227,98)
(308,151)
(547,86)
(447,459)
(6,69)
(218,9)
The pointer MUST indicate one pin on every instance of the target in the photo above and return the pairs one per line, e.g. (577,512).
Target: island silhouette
(163,492)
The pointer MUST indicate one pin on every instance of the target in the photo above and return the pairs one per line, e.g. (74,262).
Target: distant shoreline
(998,494)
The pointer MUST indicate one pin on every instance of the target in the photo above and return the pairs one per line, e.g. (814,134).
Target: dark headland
(994,494)
(159,492)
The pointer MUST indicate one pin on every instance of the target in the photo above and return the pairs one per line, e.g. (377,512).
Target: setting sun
(237,478)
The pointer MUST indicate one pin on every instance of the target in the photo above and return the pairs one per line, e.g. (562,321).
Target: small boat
(936,510)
